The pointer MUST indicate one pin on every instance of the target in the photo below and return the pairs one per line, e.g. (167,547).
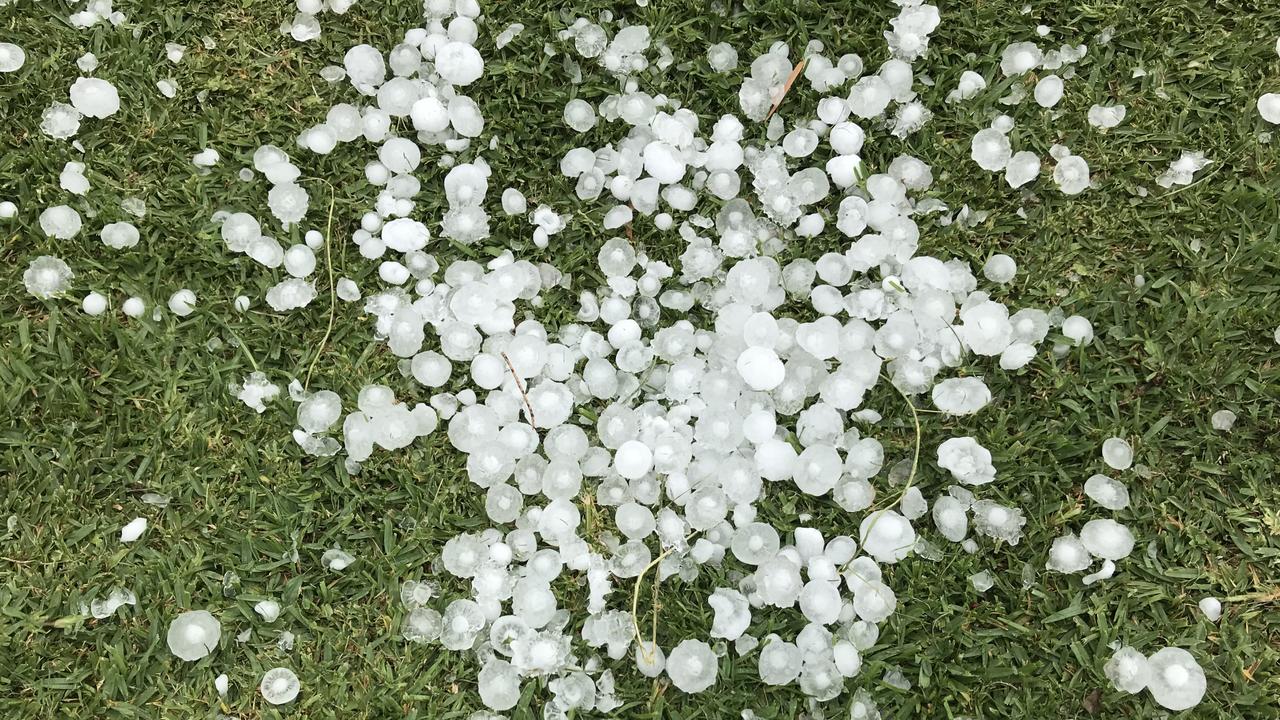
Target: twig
(786,87)
(520,386)
(635,602)
(333,300)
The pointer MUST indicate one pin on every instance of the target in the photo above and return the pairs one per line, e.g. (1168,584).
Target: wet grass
(97,411)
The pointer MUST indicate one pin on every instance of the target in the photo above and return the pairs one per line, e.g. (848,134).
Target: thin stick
(786,87)
(333,300)
(520,386)
(635,601)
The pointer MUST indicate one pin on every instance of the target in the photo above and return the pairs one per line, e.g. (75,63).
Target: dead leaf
(786,87)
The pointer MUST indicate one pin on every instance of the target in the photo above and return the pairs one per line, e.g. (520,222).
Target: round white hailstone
(320,139)
(846,138)
(1019,58)
(429,115)
(759,426)
(7,210)
(241,303)
(650,659)
(1048,91)
(513,202)
(12,57)
(194,634)
(961,396)
(1068,555)
(1211,607)
(820,602)
(1107,539)
(95,98)
(780,661)
(47,276)
(1117,453)
(1072,175)
(459,63)
(663,163)
(1000,268)
(1269,108)
(1078,329)
(968,462)
(279,686)
(206,158)
(887,536)
(1107,492)
(499,685)
(1023,167)
(1106,116)
(1223,420)
(61,222)
(990,149)
(1177,681)
(761,368)
(134,307)
(579,115)
(431,368)
(692,666)
(1128,670)
(182,303)
(722,57)
(405,235)
(299,260)
(94,304)
(119,235)
(633,459)
(400,155)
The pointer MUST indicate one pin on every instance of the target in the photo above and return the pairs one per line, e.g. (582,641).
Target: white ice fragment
(119,235)
(94,97)
(1269,107)
(336,560)
(133,530)
(692,666)
(222,684)
(1071,174)
(459,63)
(1211,607)
(117,598)
(1022,168)
(1128,670)
(1048,91)
(1182,170)
(1105,117)
(256,390)
(268,609)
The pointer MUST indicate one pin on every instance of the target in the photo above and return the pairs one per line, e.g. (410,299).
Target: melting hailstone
(1128,670)
(133,530)
(1117,453)
(279,686)
(1110,494)
(1107,539)
(692,666)
(47,277)
(1177,682)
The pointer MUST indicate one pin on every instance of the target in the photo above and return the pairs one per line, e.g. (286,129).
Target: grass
(97,411)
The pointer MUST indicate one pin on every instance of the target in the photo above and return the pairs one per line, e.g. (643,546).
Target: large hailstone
(94,97)
(1177,682)
(47,276)
(12,57)
(986,328)
(61,222)
(968,462)
(887,536)
(1128,670)
(1107,492)
(692,666)
(499,685)
(279,686)
(961,396)
(990,149)
(194,634)
(459,63)
(1107,539)
(1072,175)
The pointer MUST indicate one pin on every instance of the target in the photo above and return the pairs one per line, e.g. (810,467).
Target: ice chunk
(133,530)
(117,598)
(279,686)
(732,613)
(1068,555)
(47,277)
(1176,682)
(256,390)
(1128,670)
(1048,91)
(268,609)
(94,304)
(1180,171)
(1108,493)
(182,302)
(887,536)
(1107,539)
(1117,453)
(119,235)
(194,634)
(499,685)
(692,666)
(61,222)
(1105,117)
(94,97)
(1269,107)
(1211,607)
(12,57)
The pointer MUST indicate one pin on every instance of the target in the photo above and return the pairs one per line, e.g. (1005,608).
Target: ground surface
(97,411)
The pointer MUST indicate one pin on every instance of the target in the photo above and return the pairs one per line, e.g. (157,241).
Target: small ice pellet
(134,307)
(1223,420)
(133,530)
(242,303)
(7,210)
(1211,607)
(94,304)
(182,303)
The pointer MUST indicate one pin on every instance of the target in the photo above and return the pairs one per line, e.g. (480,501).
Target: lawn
(98,411)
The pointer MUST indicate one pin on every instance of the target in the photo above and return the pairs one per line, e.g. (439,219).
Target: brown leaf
(1093,702)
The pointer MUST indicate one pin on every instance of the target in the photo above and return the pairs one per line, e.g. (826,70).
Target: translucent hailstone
(990,149)
(579,115)
(1269,107)
(969,85)
(117,598)
(1106,117)
(194,634)
(1068,555)
(94,303)
(692,666)
(499,685)
(1022,168)
(780,661)
(288,202)
(968,462)
(1223,420)
(60,121)
(820,602)
(761,368)
(256,390)
(1211,607)
(72,179)
(998,521)
(336,560)
(1117,453)
(1000,268)
(94,97)
(950,518)
(291,294)
(1182,170)
(961,396)
(61,222)
(1128,670)
(1107,492)
(47,277)
(1071,174)
(1048,91)
(8,210)
(732,613)
(1107,539)
(119,235)
(279,686)
(755,543)
(182,302)
(422,625)
(722,57)
(887,536)
(12,57)
(1020,58)
(1177,682)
